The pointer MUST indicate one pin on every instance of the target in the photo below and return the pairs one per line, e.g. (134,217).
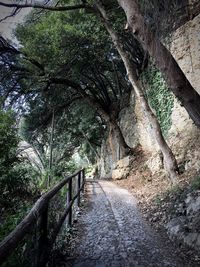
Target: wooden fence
(39,213)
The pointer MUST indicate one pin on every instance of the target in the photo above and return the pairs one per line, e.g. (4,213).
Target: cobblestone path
(113,234)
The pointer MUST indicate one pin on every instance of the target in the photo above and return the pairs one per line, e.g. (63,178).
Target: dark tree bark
(51,149)
(169,158)
(164,60)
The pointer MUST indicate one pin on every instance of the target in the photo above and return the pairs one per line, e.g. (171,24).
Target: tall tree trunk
(111,122)
(164,60)
(51,150)
(169,159)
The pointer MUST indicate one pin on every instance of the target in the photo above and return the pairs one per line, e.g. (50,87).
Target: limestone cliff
(185,47)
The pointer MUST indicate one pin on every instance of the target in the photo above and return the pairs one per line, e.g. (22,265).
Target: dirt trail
(112,233)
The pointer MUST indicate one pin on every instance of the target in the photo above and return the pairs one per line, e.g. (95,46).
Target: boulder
(123,163)
(122,168)
(154,162)
(119,174)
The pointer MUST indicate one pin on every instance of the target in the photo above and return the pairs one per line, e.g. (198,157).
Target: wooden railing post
(83,179)
(78,188)
(42,255)
(69,198)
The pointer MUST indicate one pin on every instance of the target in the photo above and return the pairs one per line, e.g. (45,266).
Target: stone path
(112,233)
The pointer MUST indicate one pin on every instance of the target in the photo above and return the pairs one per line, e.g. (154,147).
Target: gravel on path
(112,233)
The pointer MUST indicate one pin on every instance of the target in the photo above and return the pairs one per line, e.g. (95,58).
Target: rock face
(107,161)
(185,47)
(186,227)
(155,162)
(110,151)
(128,123)
(145,135)
(122,169)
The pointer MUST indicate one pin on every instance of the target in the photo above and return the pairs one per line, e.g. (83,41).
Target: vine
(160,98)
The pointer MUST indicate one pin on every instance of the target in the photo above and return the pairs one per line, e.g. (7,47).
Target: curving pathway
(112,233)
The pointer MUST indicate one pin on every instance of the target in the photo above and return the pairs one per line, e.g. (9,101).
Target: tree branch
(51,8)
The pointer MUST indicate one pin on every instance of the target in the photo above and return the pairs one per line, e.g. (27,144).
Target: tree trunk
(169,159)
(112,124)
(164,60)
(51,150)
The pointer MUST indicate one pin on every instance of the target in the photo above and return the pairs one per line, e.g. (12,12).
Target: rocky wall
(110,151)
(185,47)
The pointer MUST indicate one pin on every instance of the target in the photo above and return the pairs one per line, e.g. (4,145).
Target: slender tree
(169,158)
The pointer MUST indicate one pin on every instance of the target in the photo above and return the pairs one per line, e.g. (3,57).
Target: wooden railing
(39,213)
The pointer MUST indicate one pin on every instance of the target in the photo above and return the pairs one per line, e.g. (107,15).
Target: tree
(102,82)
(13,176)
(75,128)
(169,159)
(101,105)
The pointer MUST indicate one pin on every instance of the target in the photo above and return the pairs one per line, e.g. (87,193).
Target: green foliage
(76,131)
(8,160)
(56,38)
(8,141)
(160,98)
(16,179)
(14,217)
(14,175)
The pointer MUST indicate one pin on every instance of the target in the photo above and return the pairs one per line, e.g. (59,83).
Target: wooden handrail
(13,239)
(62,219)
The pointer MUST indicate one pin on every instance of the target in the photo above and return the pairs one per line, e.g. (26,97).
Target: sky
(7,26)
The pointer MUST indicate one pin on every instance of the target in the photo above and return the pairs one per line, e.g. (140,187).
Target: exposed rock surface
(155,162)
(110,151)
(185,48)
(128,123)
(122,168)
(106,162)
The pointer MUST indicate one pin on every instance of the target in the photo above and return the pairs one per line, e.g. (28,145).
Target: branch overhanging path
(45,7)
